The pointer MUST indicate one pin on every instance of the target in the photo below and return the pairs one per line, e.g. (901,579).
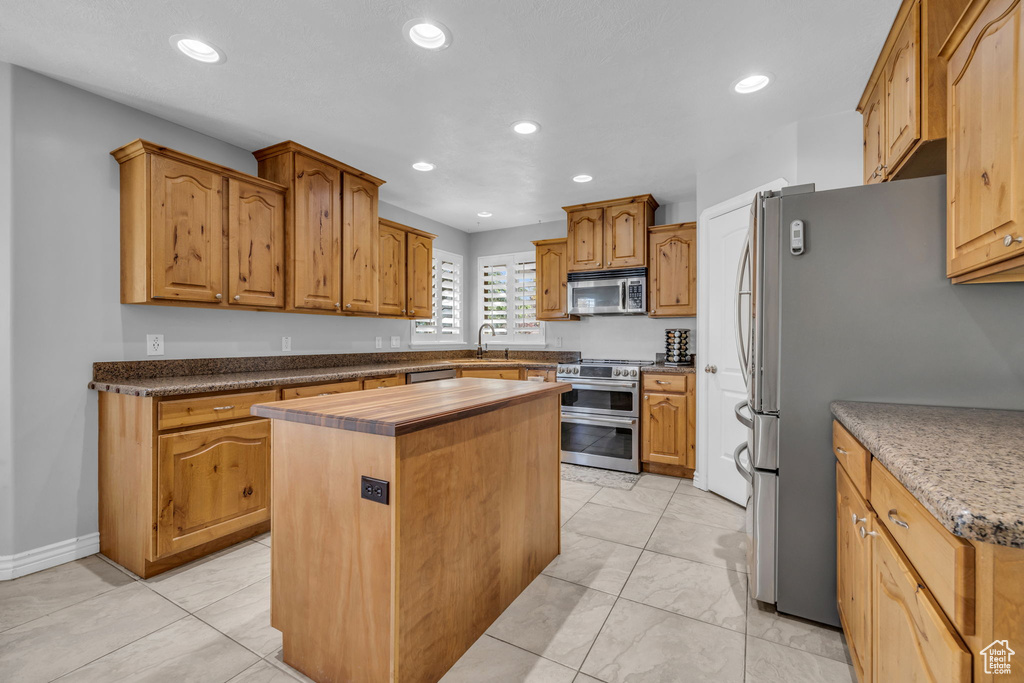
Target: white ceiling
(636,93)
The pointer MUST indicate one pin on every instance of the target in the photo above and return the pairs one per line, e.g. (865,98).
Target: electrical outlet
(378,342)
(374,489)
(286,343)
(154,344)
(396,342)
(558,342)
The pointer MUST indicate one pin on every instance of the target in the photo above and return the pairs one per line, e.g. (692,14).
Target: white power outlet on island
(154,344)
(396,342)
(378,342)
(286,343)
(558,342)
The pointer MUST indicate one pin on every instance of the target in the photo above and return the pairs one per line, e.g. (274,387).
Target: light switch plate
(396,342)
(286,343)
(154,344)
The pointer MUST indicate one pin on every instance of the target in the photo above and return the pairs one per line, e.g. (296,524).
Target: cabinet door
(912,640)
(316,236)
(586,240)
(903,90)
(381,382)
(853,571)
(625,236)
(673,272)
(210,483)
(359,286)
(874,135)
(552,262)
(420,283)
(186,232)
(255,245)
(986,141)
(666,428)
(392,271)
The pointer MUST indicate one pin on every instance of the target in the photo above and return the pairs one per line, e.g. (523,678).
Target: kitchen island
(407,520)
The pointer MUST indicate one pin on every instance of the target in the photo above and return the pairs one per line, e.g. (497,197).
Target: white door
(722,232)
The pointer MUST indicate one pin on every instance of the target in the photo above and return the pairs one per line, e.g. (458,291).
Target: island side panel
(331,556)
(478,519)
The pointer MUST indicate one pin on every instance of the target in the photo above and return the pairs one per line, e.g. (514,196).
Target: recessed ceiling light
(526,127)
(199,50)
(752,83)
(582,178)
(428,34)
(485,214)
(423,166)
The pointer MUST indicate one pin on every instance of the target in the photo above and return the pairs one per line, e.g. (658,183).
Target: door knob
(711,369)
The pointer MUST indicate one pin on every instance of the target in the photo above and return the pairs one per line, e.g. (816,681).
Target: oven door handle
(600,422)
(602,385)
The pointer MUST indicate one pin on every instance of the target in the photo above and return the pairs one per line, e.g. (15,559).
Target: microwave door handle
(741,345)
(622,286)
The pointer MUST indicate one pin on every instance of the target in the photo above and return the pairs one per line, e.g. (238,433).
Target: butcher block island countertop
(465,476)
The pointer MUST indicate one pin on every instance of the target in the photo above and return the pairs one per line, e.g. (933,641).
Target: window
(446,325)
(508,297)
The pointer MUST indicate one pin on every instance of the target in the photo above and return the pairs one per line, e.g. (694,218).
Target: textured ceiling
(633,92)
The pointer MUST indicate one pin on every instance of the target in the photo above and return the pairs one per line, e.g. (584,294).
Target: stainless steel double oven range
(601,415)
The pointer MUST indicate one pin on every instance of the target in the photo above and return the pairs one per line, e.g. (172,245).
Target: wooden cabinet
(406,271)
(196,233)
(611,234)
(668,421)
(853,570)
(380,382)
(672,278)
(331,230)
(359,245)
(904,101)
(321,389)
(912,640)
(552,274)
(210,483)
(498,373)
(985,165)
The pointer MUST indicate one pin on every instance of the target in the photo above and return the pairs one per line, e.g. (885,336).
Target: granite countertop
(965,465)
(258,379)
(395,411)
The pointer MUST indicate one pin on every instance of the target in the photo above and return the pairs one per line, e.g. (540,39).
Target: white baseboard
(38,559)
(698,481)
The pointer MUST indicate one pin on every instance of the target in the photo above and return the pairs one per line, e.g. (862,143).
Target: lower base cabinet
(853,575)
(668,426)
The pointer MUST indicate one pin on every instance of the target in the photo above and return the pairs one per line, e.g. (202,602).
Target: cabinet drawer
(672,383)
(504,373)
(944,561)
(854,458)
(321,389)
(547,375)
(378,382)
(186,412)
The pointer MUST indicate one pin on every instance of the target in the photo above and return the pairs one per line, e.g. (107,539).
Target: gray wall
(66,313)
(637,337)
(6,452)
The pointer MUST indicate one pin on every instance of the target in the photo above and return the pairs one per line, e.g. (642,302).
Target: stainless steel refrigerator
(842,295)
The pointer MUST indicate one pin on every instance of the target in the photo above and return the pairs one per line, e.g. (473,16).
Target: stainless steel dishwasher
(429,376)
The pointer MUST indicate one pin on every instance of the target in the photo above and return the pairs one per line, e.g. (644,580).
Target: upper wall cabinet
(904,102)
(331,232)
(610,234)
(198,233)
(405,267)
(985,214)
(672,281)
(552,285)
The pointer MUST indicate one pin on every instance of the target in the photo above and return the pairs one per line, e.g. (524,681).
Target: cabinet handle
(218,296)
(246,492)
(328,393)
(896,520)
(224,408)
(1007,241)
(857,520)
(864,533)
(661,381)
(841,451)
(238,297)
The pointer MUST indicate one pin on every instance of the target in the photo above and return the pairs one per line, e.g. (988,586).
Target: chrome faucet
(480,339)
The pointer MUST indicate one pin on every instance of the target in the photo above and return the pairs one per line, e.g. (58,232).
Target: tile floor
(651,586)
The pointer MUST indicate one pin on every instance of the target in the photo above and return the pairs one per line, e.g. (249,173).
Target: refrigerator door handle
(747,422)
(744,472)
(742,348)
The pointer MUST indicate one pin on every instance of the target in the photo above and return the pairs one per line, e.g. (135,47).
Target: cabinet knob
(348,305)
(599,264)
(218,296)
(856,519)
(646,397)
(337,305)
(238,297)
(403,310)
(864,533)
(412,312)
(1008,240)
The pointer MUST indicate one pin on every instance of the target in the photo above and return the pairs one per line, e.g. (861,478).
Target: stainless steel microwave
(608,292)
